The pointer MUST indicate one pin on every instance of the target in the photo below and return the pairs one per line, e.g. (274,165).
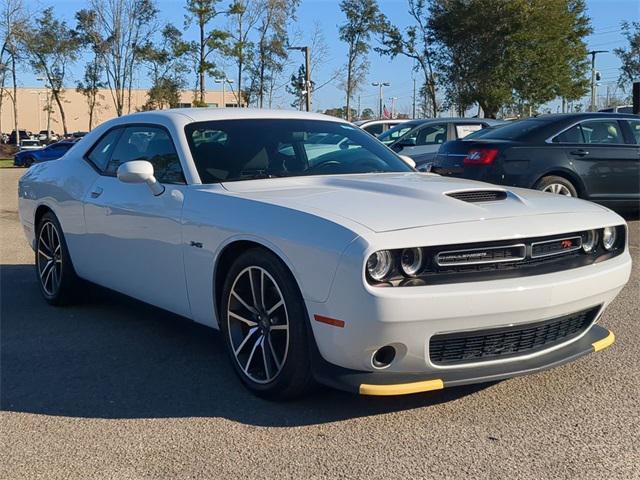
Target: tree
(363,19)
(204,12)
(367,114)
(630,56)
(533,52)
(414,43)
(90,87)
(117,30)
(271,45)
(13,21)
(166,63)
(341,112)
(50,47)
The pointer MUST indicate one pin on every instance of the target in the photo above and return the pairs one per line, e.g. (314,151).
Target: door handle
(580,152)
(96,192)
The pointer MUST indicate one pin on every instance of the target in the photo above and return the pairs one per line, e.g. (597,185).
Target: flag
(385,113)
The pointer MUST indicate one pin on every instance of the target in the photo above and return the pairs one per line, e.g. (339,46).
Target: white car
(353,270)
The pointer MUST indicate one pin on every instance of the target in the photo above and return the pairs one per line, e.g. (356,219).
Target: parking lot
(113,388)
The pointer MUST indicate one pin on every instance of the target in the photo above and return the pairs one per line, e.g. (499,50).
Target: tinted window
(101,152)
(396,132)
(151,144)
(635,129)
(251,149)
(375,129)
(514,130)
(573,135)
(601,131)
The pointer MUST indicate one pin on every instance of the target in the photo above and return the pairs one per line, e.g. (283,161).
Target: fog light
(589,241)
(379,265)
(411,261)
(609,237)
(383,357)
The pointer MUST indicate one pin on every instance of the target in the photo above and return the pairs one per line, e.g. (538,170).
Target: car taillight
(481,156)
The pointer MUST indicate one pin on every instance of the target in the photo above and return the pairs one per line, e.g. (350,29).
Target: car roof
(583,115)
(362,123)
(207,114)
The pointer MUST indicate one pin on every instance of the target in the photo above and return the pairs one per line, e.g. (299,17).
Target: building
(32,108)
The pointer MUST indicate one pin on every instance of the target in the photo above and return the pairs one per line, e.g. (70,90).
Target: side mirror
(140,171)
(408,160)
(407,142)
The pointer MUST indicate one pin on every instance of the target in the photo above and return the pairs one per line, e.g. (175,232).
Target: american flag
(386,113)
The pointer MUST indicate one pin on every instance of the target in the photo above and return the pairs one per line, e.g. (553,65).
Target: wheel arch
(572,177)
(39,212)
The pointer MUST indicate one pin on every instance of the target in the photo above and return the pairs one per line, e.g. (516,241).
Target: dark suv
(588,155)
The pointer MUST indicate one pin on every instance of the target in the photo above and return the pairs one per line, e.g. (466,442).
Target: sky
(606,16)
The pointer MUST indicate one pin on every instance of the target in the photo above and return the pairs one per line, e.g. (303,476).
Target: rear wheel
(28,162)
(557,185)
(56,276)
(263,321)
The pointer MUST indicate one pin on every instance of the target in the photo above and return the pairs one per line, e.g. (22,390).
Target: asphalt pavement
(116,389)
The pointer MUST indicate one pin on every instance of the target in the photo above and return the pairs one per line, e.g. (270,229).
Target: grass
(6,163)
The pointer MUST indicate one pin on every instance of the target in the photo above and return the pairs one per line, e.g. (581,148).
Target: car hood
(397,201)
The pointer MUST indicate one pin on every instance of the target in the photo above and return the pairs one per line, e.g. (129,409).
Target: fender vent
(476,196)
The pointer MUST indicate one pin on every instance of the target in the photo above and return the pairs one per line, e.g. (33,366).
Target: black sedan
(589,155)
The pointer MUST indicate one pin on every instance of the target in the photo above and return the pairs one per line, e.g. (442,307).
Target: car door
(598,152)
(136,237)
(428,139)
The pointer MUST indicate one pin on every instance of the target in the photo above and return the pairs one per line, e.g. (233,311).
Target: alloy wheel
(558,189)
(258,324)
(49,258)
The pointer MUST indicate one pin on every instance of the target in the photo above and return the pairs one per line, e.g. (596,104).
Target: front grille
(505,342)
(476,196)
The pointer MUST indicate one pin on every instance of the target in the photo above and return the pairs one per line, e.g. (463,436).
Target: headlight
(609,237)
(379,265)
(411,261)
(589,241)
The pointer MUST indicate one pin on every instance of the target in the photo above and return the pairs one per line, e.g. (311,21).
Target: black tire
(59,283)
(553,182)
(28,162)
(293,377)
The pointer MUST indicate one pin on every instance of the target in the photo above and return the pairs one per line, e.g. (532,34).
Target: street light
(307,73)
(46,89)
(223,80)
(593,54)
(380,85)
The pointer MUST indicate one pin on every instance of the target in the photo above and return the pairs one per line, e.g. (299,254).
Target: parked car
(595,156)
(377,127)
(423,141)
(50,137)
(54,151)
(353,270)
(29,145)
(23,135)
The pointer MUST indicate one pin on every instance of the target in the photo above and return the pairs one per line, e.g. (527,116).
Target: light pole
(223,81)
(307,74)
(39,114)
(46,89)
(593,54)
(393,106)
(380,86)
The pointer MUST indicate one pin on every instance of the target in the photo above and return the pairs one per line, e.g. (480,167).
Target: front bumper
(376,383)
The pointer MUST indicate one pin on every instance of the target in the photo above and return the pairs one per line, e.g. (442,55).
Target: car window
(429,135)
(58,146)
(462,130)
(572,135)
(101,152)
(396,132)
(375,129)
(515,130)
(635,129)
(151,144)
(601,131)
(286,147)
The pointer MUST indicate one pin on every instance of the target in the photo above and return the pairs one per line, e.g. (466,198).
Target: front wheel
(263,321)
(557,185)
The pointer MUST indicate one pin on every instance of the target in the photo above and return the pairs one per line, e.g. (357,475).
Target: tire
(557,185)
(268,345)
(28,162)
(58,280)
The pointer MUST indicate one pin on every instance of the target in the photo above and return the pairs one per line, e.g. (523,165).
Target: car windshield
(232,150)
(514,130)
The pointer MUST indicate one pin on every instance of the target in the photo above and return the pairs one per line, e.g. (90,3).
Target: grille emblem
(474,256)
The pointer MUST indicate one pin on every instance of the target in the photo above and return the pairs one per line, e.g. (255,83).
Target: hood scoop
(477,196)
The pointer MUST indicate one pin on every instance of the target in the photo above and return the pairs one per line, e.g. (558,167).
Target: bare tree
(13,20)
(119,30)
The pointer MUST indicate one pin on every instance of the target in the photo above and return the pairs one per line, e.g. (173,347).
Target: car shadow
(114,357)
